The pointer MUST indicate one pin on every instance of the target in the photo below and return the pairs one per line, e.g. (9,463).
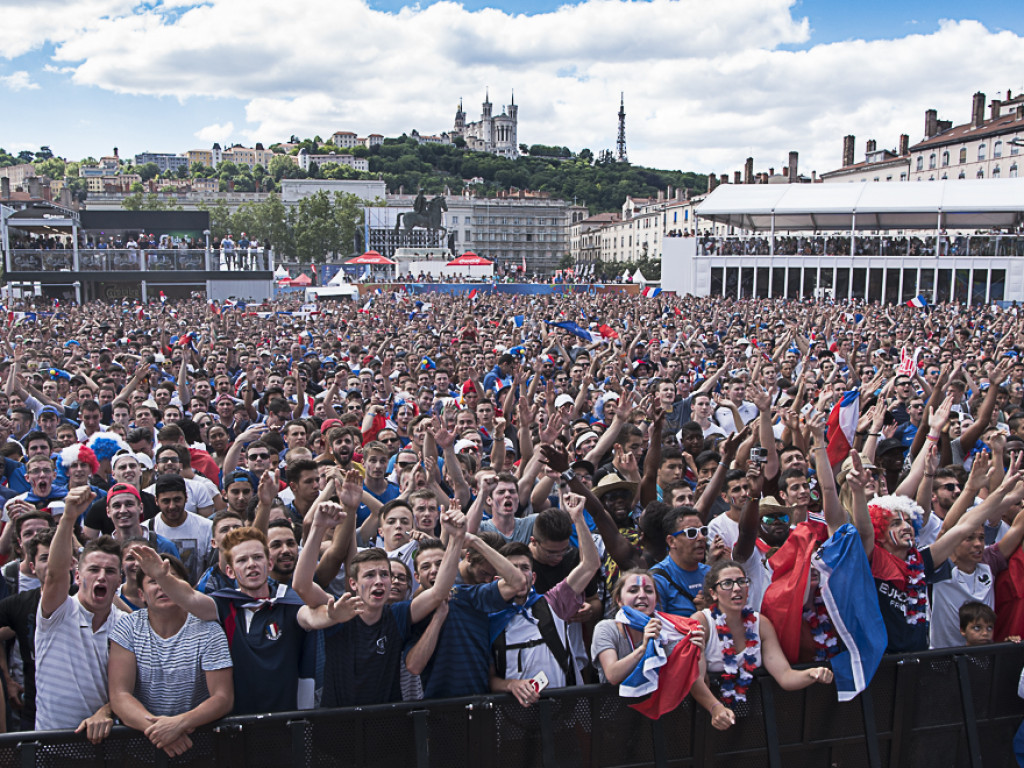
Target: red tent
(302,279)
(469,259)
(371,257)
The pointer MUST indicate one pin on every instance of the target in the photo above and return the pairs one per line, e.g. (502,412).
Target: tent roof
(974,204)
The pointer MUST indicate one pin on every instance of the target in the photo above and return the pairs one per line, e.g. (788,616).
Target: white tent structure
(875,241)
(949,205)
(638,277)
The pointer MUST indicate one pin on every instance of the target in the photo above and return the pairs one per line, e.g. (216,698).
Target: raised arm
(511,578)
(180,592)
(590,560)
(326,514)
(58,581)
(454,522)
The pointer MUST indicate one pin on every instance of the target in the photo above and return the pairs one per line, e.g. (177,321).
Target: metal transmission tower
(620,143)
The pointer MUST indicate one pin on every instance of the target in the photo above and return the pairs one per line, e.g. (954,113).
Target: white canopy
(281,273)
(638,276)
(974,204)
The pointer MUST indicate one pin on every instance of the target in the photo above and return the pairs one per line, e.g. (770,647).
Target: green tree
(326,226)
(51,168)
(148,171)
(265,220)
(220,217)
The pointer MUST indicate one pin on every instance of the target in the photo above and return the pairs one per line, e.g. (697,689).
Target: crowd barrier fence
(953,708)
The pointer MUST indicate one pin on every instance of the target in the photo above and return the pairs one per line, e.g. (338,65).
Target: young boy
(977,623)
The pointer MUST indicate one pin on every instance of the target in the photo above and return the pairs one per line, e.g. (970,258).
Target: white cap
(563,400)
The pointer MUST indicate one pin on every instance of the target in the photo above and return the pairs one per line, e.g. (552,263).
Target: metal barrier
(935,709)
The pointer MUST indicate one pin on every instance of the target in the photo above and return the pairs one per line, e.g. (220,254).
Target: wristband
(933,439)
(568,476)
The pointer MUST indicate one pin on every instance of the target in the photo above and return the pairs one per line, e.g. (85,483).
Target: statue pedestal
(419,259)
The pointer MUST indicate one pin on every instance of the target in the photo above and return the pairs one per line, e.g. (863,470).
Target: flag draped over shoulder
(783,601)
(842,426)
(848,589)
(666,677)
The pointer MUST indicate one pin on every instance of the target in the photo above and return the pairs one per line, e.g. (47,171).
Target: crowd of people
(211,510)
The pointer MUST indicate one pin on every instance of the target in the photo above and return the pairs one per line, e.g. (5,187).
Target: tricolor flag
(842,426)
(576,330)
(848,589)
(472,294)
(667,678)
(518,320)
(366,306)
(214,308)
(163,299)
(607,332)
(650,292)
(918,302)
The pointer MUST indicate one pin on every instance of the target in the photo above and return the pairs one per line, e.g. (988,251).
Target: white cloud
(28,25)
(706,84)
(18,81)
(216,132)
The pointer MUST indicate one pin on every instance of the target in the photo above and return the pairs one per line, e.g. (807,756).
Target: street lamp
(78,291)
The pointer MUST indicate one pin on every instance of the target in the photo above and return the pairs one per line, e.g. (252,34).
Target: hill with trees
(406,165)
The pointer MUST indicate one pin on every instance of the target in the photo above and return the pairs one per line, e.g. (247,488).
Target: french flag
(214,308)
(518,320)
(366,306)
(650,292)
(917,302)
(607,332)
(842,426)
(666,677)
(848,589)
(163,299)
(472,294)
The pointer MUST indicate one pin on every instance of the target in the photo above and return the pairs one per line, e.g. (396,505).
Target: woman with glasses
(739,640)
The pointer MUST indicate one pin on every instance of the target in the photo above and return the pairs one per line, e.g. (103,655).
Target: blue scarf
(57,492)
(501,619)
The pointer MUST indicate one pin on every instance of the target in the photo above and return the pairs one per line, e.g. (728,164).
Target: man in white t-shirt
(190,533)
(737,493)
(72,633)
(170,460)
(969,576)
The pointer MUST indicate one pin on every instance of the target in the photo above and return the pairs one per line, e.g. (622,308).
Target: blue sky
(706,83)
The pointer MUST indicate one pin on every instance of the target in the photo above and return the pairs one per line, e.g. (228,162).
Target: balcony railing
(137,260)
(839,245)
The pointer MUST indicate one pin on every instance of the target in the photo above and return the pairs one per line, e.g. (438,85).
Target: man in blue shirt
(680,576)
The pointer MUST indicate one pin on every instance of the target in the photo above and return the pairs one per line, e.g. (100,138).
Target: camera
(760,455)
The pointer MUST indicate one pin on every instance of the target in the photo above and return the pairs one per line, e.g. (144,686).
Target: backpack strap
(549,633)
(678,587)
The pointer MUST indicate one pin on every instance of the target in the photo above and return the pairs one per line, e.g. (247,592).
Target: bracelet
(933,439)
(717,704)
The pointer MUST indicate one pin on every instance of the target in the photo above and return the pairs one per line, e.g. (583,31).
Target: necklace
(917,595)
(736,676)
(826,643)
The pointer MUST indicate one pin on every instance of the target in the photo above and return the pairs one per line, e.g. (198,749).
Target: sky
(707,83)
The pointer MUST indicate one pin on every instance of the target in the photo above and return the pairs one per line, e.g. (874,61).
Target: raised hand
(345,608)
(267,489)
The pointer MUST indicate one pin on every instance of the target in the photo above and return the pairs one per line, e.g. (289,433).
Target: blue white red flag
(918,302)
(577,330)
(650,292)
(666,677)
(848,589)
(842,426)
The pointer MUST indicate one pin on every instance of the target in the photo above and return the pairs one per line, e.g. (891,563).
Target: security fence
(951,708)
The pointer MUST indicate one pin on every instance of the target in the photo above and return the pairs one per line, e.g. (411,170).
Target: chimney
(737,177)
(848,142)
(771,172)
(115,152)
(785,172)
(794,158)
(904,145)
(5,188)
(748,171)
(872,145)
(724,178)
(978,110)
(996,109)
(931,117)
(814,177)
(712,182)
(669,193)
(35,188)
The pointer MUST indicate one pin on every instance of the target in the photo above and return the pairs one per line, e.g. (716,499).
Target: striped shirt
(170,671)
(71,665)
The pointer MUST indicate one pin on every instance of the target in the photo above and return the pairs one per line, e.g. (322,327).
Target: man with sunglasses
(680,576)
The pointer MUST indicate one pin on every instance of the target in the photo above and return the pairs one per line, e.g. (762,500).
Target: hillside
(404,164)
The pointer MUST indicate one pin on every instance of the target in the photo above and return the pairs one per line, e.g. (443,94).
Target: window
(920,163)
(931,160)
(903,177)
(455,219)
(981,173)
(962,175)
(997,149)
(981,151)
(963,154)
(1013,171)
(995,172)
(1014,149)
(945,158)
(469,235)
(945,176)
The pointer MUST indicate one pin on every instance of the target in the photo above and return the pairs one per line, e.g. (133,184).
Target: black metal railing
(952,708)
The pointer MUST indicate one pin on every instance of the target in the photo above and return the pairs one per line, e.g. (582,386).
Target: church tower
(460,120)
(620,144)
(513,112)
(487,124)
